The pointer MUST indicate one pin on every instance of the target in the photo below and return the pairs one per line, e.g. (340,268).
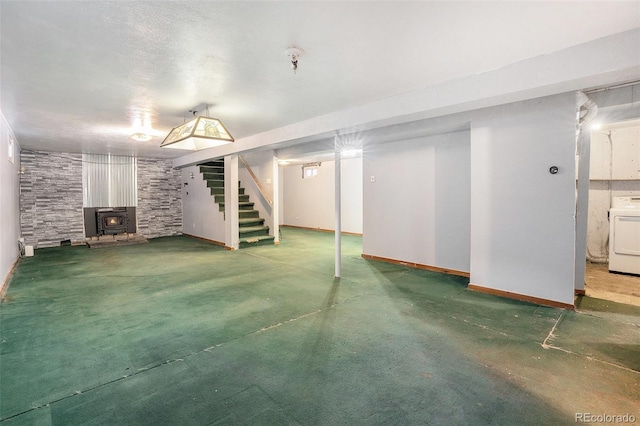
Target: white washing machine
(624,235)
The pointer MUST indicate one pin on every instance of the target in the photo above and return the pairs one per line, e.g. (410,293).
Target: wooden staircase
(252,230)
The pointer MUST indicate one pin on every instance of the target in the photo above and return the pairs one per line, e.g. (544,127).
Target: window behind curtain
(109,180)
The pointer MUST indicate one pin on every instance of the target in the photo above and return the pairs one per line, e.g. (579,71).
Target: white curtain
(109,180)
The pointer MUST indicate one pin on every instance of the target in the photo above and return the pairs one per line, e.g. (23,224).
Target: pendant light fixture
(198,133)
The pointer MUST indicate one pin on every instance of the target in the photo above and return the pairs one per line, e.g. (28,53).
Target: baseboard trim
(417,265)
(521,297)
(580,292)
(214,242)
(321,230)
(5,283)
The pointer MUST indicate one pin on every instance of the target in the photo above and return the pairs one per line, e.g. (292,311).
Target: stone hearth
(115,240)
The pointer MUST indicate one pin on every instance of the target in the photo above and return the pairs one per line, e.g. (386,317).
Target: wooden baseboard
(320,230)
(217,243)
(417,265)
(5,284)
(521,297)
(580,292)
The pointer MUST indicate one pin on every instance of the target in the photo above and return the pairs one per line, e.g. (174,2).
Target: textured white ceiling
(74,74)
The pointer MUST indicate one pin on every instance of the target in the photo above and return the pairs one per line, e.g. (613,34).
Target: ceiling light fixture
(294,53)
(350,153)
(198,133)
(142,131)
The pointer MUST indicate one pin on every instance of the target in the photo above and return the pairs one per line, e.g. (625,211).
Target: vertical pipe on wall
(338,213)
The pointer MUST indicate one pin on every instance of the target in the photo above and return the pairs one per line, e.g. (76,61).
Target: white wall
(351,194)
(614,172)
(200,215)
(522,222)
(9,200)
(310,202)
(418,208)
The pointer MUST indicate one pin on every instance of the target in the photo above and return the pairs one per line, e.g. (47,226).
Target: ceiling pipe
(587,108)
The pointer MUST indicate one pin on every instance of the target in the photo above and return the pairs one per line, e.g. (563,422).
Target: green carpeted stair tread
(215,183)
(250,221)
(257,238)
(211,169)
(253,231)
(256,241)
(242,205)
(245,214)
(219,198)
(219,162)
(219,190)
(217,176)
(250,229)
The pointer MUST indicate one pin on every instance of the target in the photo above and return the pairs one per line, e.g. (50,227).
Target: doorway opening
(613,260)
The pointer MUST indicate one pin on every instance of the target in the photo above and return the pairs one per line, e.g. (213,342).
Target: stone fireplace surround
(51,208)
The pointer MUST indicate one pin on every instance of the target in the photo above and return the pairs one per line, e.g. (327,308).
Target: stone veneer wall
(159,198)
(51,198)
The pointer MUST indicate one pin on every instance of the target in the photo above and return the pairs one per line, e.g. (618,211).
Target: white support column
(275,207)
(582,206)
(231,224)
(338,213)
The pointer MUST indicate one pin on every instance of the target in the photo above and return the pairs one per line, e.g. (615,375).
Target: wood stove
(111,221)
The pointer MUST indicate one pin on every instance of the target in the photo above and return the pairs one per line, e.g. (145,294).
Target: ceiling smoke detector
(294,53)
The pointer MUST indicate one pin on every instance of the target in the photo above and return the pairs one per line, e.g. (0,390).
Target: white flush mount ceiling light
(294,54)
(351,153)
(198,133)
(141,129)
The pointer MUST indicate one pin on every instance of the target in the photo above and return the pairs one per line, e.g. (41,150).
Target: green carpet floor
(182,332)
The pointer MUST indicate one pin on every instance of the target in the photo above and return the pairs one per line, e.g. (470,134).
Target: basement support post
(275,207)
(582,207)
(231,223)
(338,211)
